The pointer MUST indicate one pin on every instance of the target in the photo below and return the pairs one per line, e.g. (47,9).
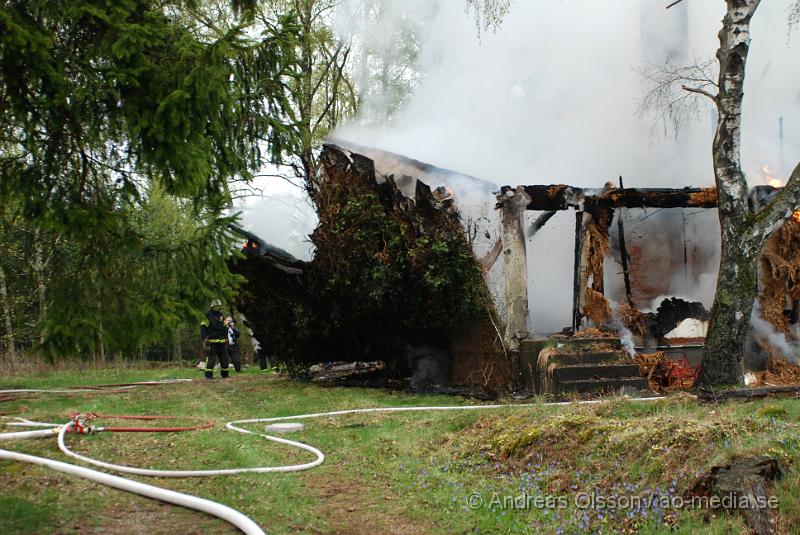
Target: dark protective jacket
(213,328)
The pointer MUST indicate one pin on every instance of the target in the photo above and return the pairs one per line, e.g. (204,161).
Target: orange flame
(771,180)
(796,216)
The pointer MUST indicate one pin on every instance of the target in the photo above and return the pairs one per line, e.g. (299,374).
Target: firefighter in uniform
(215,335)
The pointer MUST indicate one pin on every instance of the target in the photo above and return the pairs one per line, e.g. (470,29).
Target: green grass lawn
(391,473)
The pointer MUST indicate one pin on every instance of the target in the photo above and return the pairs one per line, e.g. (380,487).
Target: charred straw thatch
(781,372)
(632,318)
(595,249)
(596,307)
(649,367)
(591,332)
(780,273)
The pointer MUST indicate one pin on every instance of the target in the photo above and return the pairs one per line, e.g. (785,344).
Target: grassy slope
(405,473)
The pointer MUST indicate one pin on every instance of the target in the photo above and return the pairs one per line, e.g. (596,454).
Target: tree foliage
(121,124)
(489,14)
(118,296)
(385,49)
(319,91)
(100,96)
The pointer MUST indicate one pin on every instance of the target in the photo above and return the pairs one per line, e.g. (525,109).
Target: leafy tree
(118,299)
(109,297)
(385,49)
(100,96)
(488,13)
(319,92)
(336,76)
(102,104)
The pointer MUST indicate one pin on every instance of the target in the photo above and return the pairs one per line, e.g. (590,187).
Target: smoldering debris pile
(334,371)
(781,372)
(674,322)
(664,374)
(776,334)
(390,272)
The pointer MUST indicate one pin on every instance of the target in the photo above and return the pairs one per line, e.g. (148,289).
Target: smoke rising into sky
(283,217)
(552,96)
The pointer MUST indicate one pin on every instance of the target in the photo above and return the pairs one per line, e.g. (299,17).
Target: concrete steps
(587,372)
(593,357)
(598,386)
(585,368)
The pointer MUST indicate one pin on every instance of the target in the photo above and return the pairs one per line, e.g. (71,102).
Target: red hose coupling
(80,424)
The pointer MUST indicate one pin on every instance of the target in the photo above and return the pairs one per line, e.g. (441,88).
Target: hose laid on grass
(319,456)
(200,473)
(223,512)
(91,388)
(19,435)
(207,424)
(24,422)
(234,517)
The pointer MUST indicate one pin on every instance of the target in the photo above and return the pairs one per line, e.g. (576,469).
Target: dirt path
(351,506)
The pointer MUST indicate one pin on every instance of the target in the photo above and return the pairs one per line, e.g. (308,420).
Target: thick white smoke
(777,340)
(282,217)
(552,97)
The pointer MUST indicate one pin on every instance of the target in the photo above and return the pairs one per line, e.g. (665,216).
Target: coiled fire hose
(223,512)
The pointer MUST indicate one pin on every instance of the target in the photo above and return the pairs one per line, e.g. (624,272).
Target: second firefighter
(215,335)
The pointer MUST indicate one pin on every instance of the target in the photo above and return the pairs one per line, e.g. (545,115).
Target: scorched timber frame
(554,197)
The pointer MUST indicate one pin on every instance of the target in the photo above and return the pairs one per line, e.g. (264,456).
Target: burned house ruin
(634,267)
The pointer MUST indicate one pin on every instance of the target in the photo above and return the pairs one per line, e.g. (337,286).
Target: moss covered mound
(620,451)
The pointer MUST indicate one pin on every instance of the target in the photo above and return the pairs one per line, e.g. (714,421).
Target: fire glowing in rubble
(771,180)
(796,216)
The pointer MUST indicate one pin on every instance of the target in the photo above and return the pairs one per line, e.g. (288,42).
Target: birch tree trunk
(743,234)
(41,285)
(737,283)
(9,323)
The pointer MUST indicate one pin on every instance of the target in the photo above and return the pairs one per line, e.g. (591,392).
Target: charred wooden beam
(323,373)
(561,196)
(540,222)
(277,257)
(487,262)
(657,198)
(550,197)
(576,274)
(623,251)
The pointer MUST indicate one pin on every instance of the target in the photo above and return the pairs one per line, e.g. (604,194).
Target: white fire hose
(42,433)
(89,389)
(228,514)
(224,512)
